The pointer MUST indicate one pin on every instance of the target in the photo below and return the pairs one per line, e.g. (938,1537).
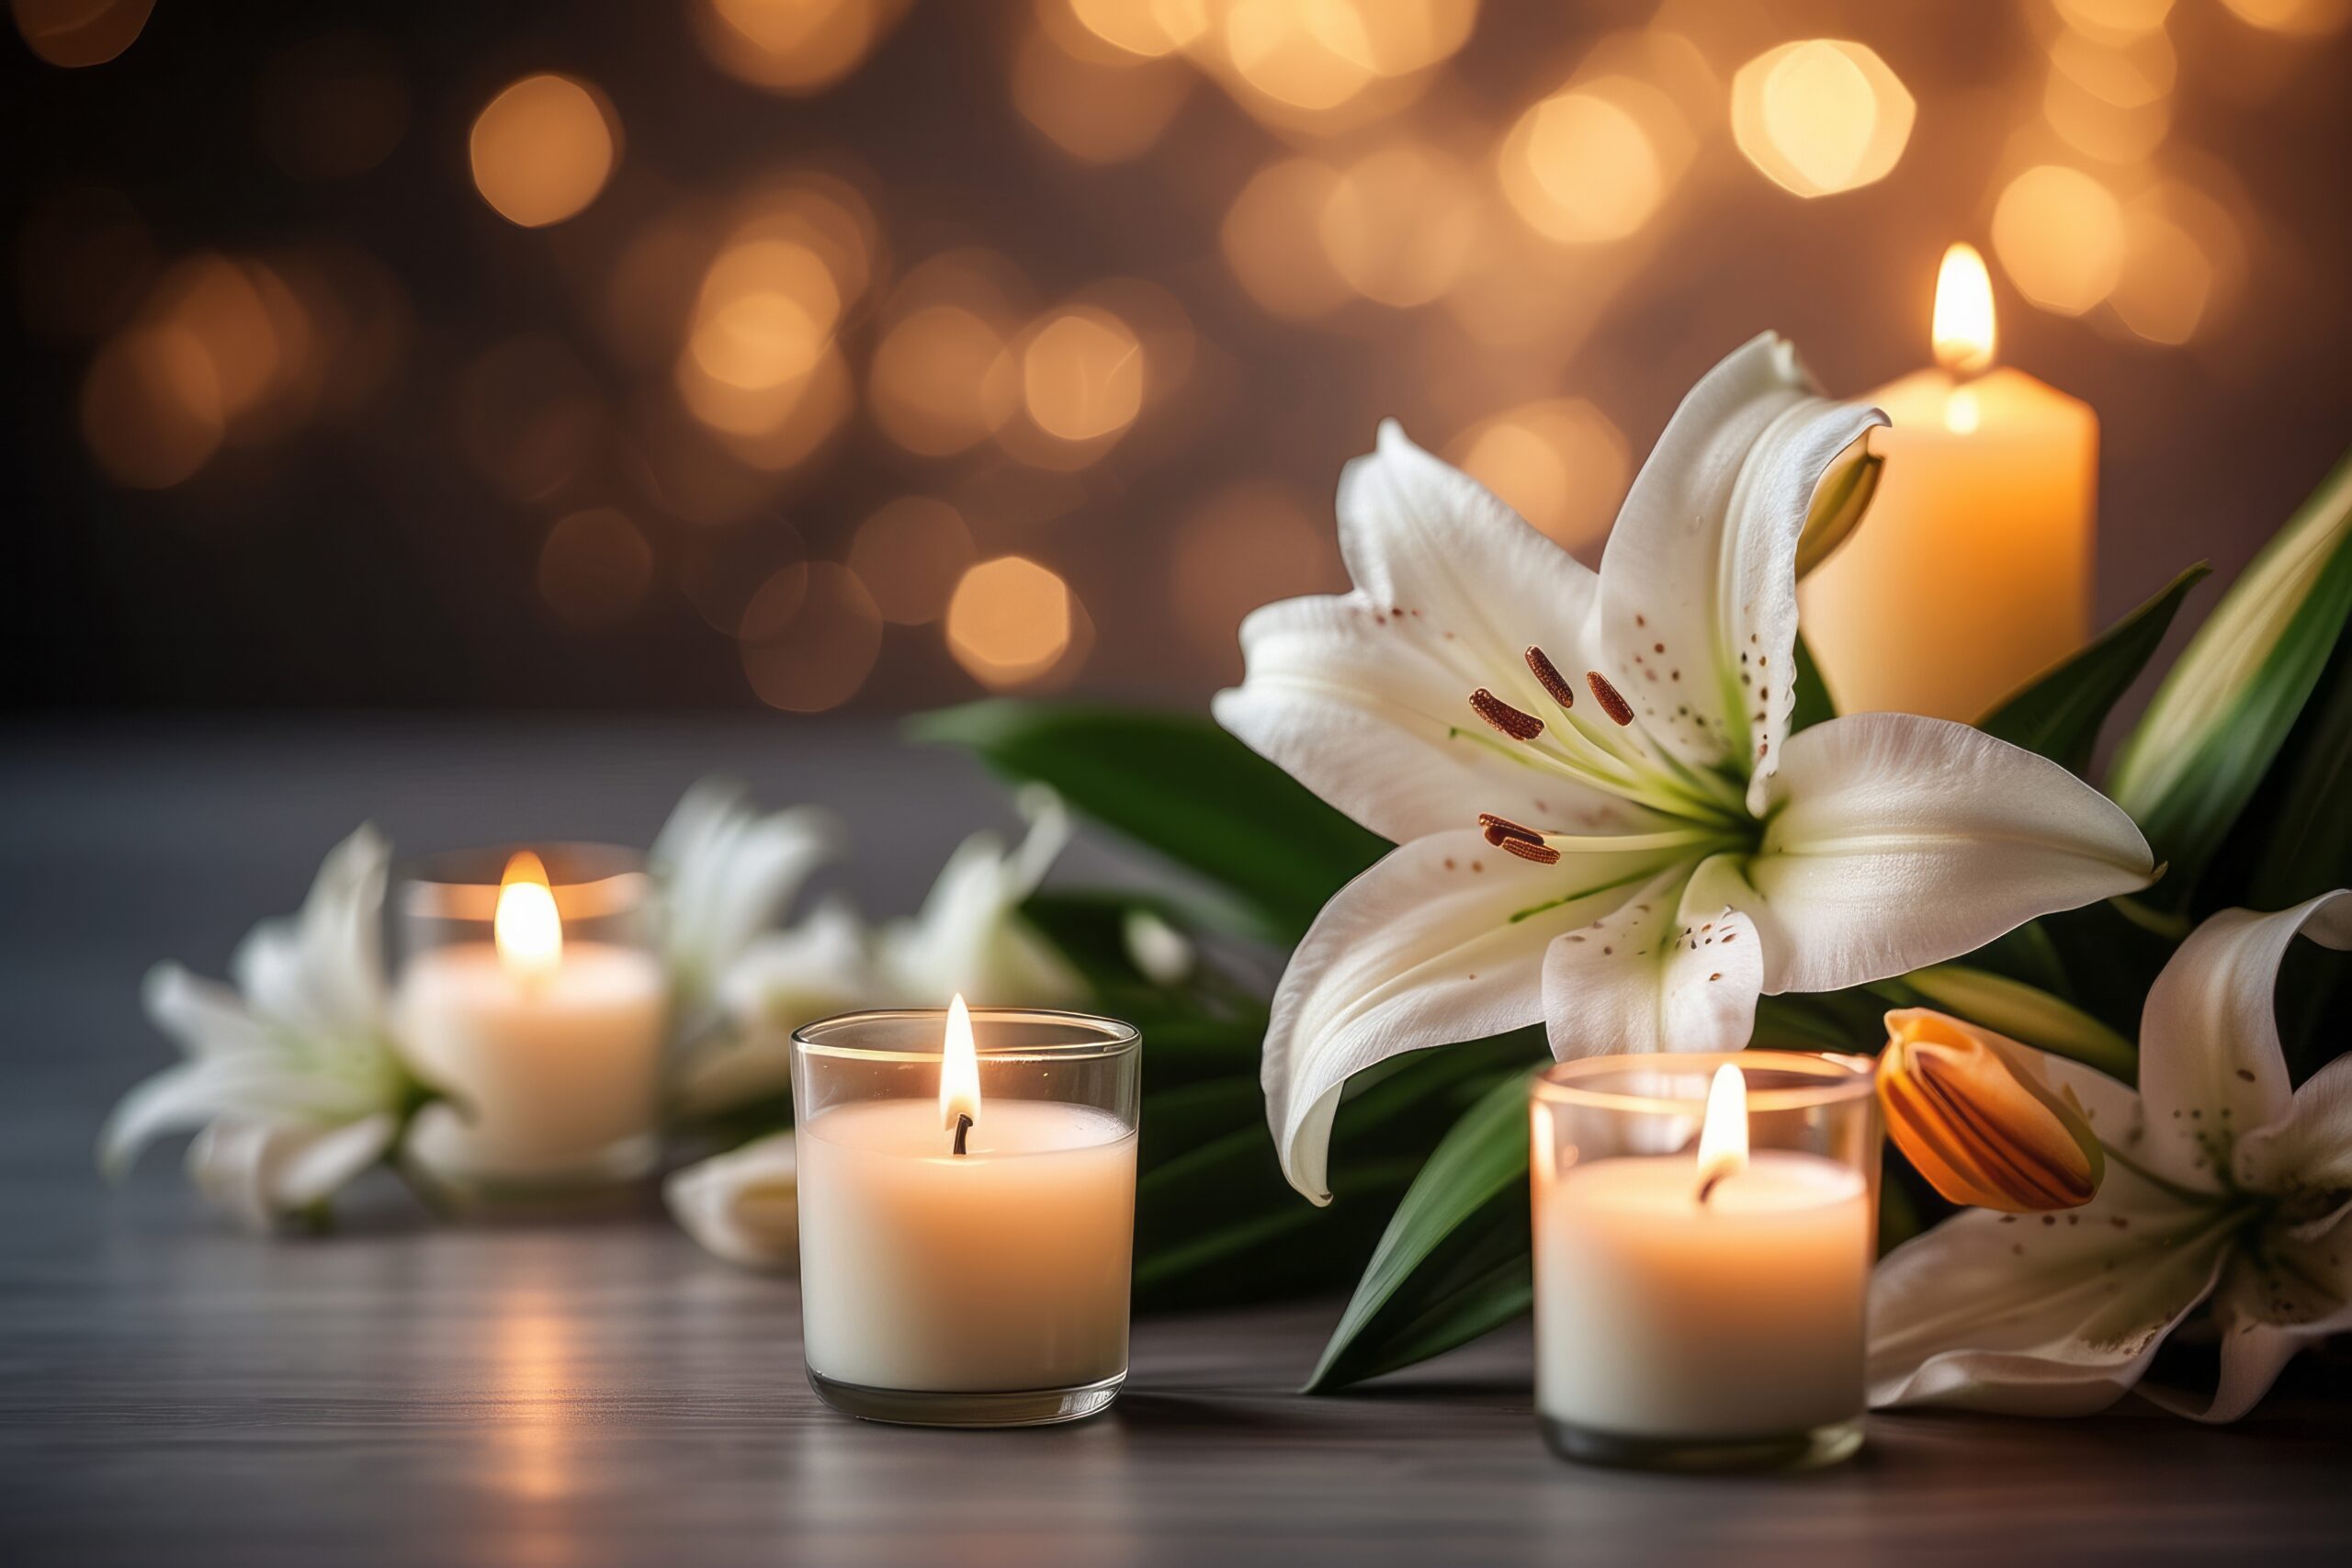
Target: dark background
(383,524)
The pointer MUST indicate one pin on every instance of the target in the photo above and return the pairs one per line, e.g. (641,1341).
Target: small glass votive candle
(1704,1231)
(966,1187)
(531,998)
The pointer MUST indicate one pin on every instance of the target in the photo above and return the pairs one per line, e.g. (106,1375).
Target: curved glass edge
(1112,1037)
(1838,1079)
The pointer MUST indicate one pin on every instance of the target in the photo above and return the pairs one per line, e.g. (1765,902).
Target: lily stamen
(1548,675)
(1498,829)
(1612,702)
(1541,853)
(1503,717)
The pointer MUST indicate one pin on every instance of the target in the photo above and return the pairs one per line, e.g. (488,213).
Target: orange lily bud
(1974,1112)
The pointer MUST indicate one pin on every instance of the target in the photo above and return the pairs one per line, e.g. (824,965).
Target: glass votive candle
(531,998)
(1704,1241)
(967,1212)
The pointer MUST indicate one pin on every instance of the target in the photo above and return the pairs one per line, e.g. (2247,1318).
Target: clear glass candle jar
(530,996)
(1702,1307)
(982,1288)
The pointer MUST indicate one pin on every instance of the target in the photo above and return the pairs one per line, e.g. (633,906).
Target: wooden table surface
(172,1391)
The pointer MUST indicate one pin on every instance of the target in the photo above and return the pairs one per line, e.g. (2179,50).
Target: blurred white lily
(291,1076)
(2222,1184)
(727,871)
(744,1206)
(1602,818)
(968,938)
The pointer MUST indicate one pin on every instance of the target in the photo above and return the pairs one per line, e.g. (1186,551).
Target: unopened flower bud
(1974,1114)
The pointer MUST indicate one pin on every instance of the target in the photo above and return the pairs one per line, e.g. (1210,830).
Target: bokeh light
(1273,240)
(1082,375)
(1099,110)
(793,46)
(942,379)
(2114,20)
(1008,621)
(150,409)
(910,554)
(746,581)
(2297,18)
(2060,236)
(822,652)
(81,32)
(594,567)
(1399,224)
(2111,102)
(1581,168)
(1249,544)
(1150,28)
(1821,116)
(766,314)
(331,107)
(543,149)
(1558,462)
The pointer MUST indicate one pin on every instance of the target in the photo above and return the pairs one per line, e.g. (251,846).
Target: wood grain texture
(172,1391)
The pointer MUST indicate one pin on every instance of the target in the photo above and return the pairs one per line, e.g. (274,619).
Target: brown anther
(1503,717)
(1498,829)
(1553,681)
(1612,702)
(1541,853)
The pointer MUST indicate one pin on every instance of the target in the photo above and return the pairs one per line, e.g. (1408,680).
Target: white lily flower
(291,1076)
(744,1206)
(727,872)
(2222,1184)
(968,938)
(1602,818)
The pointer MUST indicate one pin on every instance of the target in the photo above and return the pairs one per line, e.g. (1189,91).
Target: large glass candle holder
(967,1212)
(1704,1229)
(531,998)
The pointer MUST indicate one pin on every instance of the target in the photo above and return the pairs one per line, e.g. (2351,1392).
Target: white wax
(548,1071)
(1002,1270)
(1657,1316)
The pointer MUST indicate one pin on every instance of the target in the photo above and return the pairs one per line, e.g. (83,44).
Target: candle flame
(1963,323)
(527,929)
(959,1068)
(1723,1136)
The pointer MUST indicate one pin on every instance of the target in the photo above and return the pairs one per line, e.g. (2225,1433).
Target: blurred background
(838,354)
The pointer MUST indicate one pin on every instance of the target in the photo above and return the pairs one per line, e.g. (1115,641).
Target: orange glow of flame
(959,1068)
(1723,1136)
(527,929)
(1963,322)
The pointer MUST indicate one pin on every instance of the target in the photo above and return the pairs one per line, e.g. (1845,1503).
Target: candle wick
(1707,1187)
(963,1127)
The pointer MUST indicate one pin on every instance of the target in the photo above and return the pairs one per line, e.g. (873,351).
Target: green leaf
(2058,715)
(2309,847)
(1179,785)
(2218,721)
(1813,704)
(1453,1262)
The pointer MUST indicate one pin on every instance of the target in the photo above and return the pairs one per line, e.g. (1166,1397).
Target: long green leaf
(2020,1012)
(1454,1260)
(2058,715)
(1182,787)
(1813,704)
(2218,721)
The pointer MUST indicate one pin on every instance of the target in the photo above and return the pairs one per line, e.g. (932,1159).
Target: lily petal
(1894,842)
(1674,968)
(189,1095)
(1364,698)
(744,1206)
(728,872)
(324,1161)
(207,1019)
(320,972)
(2293,1290)
(969,936)
(2211,1066)
(1441,940)
(2055,1315)
(1698,608)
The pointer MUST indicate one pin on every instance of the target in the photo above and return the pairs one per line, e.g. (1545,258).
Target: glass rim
(589,880)
(1836,1078)
(1111,1037)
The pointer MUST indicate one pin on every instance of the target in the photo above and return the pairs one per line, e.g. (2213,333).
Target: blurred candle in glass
(547,1047)
(1970,573)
